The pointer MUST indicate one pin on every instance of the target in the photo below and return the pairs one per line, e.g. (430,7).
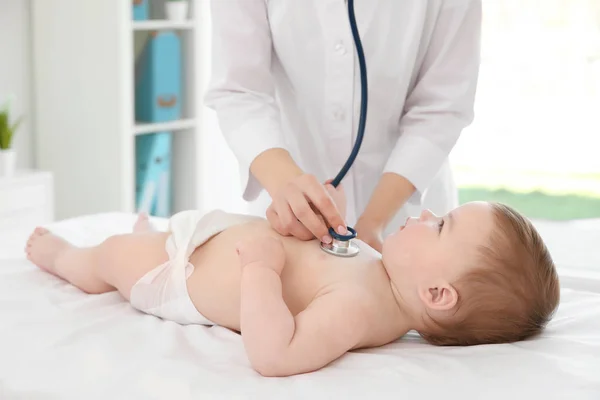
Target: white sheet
(56,342)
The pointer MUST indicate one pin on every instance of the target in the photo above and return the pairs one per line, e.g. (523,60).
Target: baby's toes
(29,245)
(40,231)
(30,240)
(36,232)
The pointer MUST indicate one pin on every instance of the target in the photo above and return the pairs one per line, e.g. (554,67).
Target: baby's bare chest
(308,271)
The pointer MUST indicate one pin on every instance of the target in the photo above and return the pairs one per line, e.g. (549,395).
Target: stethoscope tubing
(363,114)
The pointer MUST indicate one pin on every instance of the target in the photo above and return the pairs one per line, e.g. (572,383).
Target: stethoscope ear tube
(363,96)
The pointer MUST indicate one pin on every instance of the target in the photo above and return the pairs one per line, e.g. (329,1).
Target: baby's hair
(510,296)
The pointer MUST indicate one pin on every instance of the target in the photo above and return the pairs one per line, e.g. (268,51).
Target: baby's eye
(440,225)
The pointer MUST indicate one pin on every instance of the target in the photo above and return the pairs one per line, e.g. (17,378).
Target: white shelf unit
(84,72)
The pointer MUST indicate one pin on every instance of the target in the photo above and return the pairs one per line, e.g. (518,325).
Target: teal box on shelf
(140,10)
(153,173)
(158,79)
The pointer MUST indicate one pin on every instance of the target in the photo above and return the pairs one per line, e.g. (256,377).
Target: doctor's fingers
(325,205)
(283,220)
(303,212)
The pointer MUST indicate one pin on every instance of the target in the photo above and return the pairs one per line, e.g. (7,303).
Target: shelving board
(151,25)
(142,128)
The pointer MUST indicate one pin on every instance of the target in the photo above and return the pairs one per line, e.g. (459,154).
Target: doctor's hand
(338,195)
(305,208)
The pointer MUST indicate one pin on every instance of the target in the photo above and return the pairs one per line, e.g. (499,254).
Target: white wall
(15,72)
(219,168)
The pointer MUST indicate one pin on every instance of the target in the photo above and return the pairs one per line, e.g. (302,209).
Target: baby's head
(480,274)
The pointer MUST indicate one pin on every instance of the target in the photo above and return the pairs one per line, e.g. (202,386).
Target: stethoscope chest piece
(342,245)
(341,248)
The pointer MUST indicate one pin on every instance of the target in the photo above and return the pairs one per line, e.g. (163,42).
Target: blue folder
(153,174)
(158,89)
(140,10)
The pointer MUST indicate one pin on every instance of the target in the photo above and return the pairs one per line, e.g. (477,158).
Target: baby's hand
(262,250)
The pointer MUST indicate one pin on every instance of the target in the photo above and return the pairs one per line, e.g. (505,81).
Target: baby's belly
(214,286)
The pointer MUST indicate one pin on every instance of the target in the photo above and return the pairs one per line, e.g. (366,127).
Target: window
(535,140)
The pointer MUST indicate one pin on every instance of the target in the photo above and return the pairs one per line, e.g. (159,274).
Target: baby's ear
(441,297)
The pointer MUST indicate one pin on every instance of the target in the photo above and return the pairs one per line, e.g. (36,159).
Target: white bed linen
(59,343)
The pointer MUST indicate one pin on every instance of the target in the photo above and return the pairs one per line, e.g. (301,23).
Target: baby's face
(427,255)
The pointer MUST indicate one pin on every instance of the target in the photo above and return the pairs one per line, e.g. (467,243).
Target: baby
(480,274)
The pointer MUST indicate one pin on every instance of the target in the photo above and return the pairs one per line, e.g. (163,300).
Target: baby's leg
(117,263)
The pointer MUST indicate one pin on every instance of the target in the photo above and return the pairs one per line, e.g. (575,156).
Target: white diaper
(163,292)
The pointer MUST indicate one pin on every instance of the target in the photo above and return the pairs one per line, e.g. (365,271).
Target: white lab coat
(285,74)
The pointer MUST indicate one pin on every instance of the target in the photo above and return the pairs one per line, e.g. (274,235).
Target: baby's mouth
(405,223)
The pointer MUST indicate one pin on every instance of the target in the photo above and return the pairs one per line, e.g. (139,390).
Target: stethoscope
(342,245)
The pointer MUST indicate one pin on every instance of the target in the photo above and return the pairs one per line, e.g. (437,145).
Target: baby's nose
(426,215)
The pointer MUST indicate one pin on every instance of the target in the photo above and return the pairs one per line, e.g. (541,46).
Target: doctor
(286,91)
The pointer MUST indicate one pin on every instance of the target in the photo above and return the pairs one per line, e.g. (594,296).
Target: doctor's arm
(242,92)
(438,108)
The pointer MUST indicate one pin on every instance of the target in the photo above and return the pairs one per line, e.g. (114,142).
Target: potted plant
(176,10)
(8,156)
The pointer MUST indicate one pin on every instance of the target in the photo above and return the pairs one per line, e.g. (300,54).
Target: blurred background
(73,70)
(535,139)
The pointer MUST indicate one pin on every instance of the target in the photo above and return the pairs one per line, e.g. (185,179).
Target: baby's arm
(279,344)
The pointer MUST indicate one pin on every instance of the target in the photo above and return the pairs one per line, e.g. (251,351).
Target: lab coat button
(339,114)
(340,48)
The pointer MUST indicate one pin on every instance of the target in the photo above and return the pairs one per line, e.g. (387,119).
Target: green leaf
(3,121)
(7,132)
(4,130)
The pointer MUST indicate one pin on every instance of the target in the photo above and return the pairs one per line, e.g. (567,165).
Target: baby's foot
(143,223)
(44,247)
